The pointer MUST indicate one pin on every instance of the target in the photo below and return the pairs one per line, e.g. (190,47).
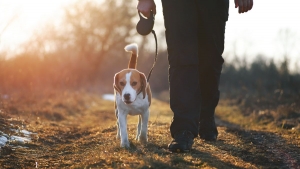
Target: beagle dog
(133,97)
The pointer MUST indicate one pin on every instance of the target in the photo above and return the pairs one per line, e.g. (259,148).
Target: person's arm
(145,6)
(244,5)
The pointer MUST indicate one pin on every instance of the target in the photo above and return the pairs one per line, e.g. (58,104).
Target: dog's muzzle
(127,98)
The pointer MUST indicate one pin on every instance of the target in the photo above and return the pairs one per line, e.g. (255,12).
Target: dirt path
(83,136)
(259,148)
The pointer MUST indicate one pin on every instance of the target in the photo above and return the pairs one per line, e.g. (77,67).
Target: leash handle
(155,58)
(145,25)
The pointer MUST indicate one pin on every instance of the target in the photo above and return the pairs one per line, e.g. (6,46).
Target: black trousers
(195,39)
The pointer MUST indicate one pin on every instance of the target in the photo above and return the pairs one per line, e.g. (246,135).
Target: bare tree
(94,29)
(90,29)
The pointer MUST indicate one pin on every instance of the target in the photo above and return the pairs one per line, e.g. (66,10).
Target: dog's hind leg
(118,127)
(138,131)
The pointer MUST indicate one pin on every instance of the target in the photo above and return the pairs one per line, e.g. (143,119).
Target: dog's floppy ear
(143,84)
(116,83)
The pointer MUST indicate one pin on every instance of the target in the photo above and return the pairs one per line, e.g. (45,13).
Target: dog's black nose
(127,96)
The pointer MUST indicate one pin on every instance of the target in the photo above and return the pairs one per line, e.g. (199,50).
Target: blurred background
(58,59)
(78,45)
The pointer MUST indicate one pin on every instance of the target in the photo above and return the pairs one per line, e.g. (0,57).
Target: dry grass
(77,130)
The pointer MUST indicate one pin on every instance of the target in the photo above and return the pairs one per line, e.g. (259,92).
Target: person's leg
(214,15)
(181,19)
(182,41)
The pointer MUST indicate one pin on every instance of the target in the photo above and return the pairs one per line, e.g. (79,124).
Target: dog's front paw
(125,144)
(143,139)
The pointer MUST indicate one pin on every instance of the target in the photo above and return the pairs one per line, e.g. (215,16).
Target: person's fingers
(241,6)
(236,2)
(144,11)
(145,7)
(146,14)
(251,4)
(245,6)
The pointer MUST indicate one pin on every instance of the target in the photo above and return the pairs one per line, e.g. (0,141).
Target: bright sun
(19,18)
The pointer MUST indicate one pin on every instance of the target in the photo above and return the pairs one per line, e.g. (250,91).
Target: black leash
(144,27)
(155,58)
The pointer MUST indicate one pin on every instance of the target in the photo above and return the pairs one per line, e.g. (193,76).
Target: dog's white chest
(139,106)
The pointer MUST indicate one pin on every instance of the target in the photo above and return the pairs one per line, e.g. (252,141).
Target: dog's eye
(133,83)
(122,83)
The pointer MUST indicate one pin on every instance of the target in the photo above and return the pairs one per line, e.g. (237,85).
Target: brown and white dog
(133,97)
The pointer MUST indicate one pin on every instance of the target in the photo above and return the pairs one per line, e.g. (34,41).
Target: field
(76,129)
(53,114)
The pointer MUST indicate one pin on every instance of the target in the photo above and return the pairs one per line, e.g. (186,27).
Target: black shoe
(209,136)
(208,130)
(182,142)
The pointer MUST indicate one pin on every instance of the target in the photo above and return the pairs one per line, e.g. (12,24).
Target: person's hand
(146,6)
(244,5)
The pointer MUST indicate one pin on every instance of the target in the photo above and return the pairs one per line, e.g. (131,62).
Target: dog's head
(129,83)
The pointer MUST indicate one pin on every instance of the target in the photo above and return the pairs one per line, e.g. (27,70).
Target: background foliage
(85,50)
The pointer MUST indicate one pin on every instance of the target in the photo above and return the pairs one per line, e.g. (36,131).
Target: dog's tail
(133,48)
